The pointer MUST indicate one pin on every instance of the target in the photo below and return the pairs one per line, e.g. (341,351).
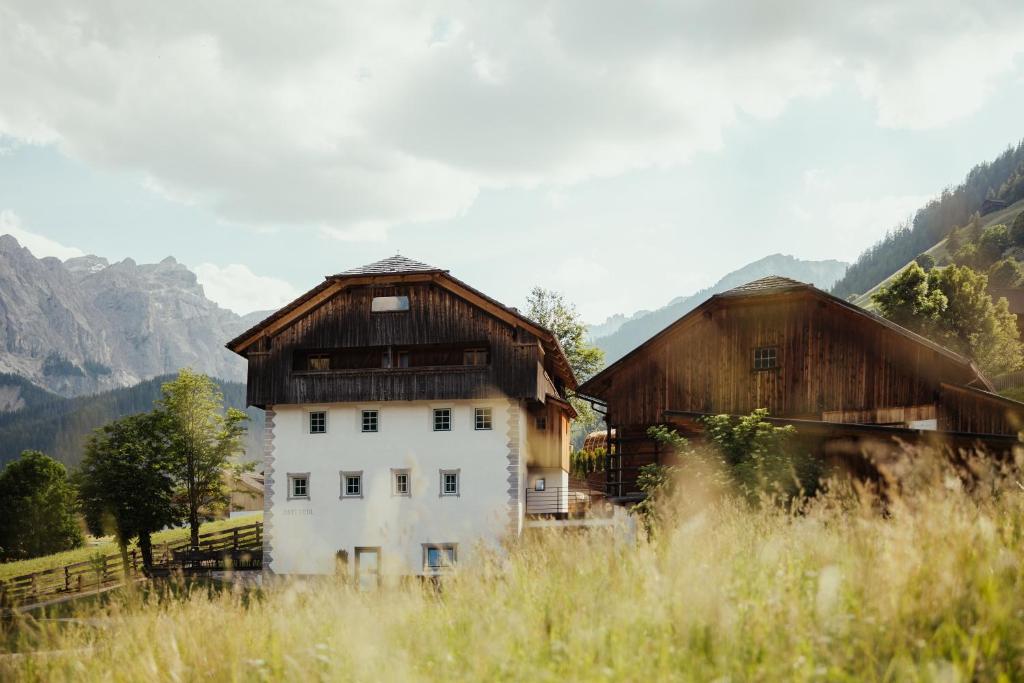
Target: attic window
(387,304)
(320,362)
(766,358)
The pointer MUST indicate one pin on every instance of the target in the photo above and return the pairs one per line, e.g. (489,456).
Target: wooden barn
(855,380)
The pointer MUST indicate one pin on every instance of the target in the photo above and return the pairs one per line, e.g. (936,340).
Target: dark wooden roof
(776,285)
(405,268)
(392,265)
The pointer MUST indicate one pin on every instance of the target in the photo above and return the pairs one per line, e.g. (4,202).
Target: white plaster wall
(554,498)
(308,533)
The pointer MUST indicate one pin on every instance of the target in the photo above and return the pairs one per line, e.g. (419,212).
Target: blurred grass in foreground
(926,586)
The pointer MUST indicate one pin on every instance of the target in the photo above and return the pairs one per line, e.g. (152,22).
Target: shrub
(1005,273)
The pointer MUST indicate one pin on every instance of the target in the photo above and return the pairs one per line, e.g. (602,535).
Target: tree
(1005,273)
(952,306)
(126,481)
(1017,230)
(203,439)
(550,309)
(994,240)
(926,261)
(37,508)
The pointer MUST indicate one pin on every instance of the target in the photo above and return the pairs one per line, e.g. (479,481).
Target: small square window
(766,358)
(438,557)
(318,422)
(351,485)
(442,420)
(539,485)
(400,483)
(298,486)
(320,362)
(402,359)
(370,421)
(542,423)
(474,357)
(482,418)
(449,482)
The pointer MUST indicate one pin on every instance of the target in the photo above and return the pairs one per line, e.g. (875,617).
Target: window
(442,419)
(402,360)
(385,359)
(387,304)
(542,423)
(318,422)
(474,357)
(370,420)
(351,485)
(298,486)
(439,556)
(400,483)
(766,358)
(449,482)
(540,485)
(320,361)
(482,418)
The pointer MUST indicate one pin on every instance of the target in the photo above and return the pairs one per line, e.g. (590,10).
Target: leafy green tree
(952,306)
(37,508)
(1005,273)
(994,240)
(1017,230)
(126,481)
(203,440)
(926,261)
(550,309)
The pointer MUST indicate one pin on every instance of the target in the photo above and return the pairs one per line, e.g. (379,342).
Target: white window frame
(405,472)
(292,476)
(442,547)
(433,419)
(344,477)
(488,414)
(309,421)
(441,492)
(376,420)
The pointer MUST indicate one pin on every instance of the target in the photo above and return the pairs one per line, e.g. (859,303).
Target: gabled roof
(775,285)
(390,266)
(405,268)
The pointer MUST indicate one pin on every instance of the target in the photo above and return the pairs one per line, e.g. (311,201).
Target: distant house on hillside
(990,205)
(840,373)
(407,416)
(246,493)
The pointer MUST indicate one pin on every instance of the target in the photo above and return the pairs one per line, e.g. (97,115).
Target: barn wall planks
(829,360)
(435,316)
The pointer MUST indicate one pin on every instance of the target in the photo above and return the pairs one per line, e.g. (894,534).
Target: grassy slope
(933,590)
(939,251)
(107,546)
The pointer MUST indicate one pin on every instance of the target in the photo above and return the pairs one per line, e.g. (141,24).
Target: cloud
(237,288)
(353,117)
(39,245)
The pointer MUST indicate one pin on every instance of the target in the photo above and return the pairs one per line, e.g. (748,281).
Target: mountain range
(85,325)
(620,333)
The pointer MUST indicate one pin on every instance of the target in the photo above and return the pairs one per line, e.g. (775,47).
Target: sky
(621,153)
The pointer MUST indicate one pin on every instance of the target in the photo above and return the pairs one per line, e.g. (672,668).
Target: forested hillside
(59,426)
(1001,178)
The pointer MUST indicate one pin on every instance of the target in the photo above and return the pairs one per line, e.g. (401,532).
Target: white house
(407,416)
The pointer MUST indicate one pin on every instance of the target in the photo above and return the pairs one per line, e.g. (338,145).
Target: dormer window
(474,357)
(766,358)
(389,304)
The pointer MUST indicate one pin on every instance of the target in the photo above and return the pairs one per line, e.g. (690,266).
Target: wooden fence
(238,547)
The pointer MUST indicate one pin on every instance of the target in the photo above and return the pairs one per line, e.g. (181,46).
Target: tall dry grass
(927,586)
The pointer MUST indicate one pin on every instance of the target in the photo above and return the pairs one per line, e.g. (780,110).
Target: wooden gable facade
(803,355)
(447,341)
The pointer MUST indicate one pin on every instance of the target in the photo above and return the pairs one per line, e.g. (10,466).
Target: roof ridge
(767,283)
(391,265)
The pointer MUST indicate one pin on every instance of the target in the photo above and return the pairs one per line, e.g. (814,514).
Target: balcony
(574,505)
